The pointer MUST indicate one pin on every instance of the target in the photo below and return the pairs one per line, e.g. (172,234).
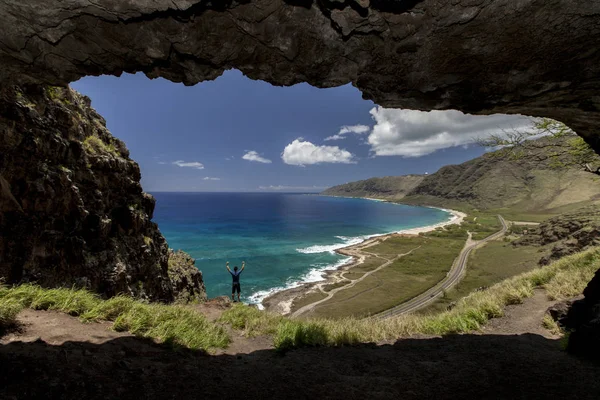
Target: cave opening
(237,135)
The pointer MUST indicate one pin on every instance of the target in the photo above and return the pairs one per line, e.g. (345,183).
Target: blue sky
(235,134)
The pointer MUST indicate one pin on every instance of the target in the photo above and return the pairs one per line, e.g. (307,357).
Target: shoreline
(281,301)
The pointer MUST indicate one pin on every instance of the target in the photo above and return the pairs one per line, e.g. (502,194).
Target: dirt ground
(53,355)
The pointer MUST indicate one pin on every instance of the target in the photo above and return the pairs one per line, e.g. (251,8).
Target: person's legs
(233,292)
(239,289)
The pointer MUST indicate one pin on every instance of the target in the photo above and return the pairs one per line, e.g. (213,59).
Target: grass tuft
(8,312)
(171,324)
(549,323)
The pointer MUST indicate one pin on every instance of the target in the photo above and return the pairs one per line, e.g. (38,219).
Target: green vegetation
(172,324)
(54,92)
(57,93)
(336,285)
(482,225)
(94,145)
(469,314)
(549,323)
(182,326)
(406,277)
(148,240)
(431,257)
(307,299)
(8,312)
(548,180)
(488,265)
(562,147)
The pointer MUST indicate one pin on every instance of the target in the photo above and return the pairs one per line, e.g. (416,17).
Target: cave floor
(53,355)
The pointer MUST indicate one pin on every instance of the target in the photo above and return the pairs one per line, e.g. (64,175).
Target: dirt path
(387,261)
(56,328)
(523,318)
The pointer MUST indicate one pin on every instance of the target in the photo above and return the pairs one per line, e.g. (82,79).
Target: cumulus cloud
(193,164)
(356,129)
(254,156)
(301,152)
(411,133)
(291,188)
(208,178)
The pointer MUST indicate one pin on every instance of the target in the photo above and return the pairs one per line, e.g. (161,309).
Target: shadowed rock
(72,210)
(535,57)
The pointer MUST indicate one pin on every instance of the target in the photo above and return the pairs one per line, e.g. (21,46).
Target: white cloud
(254,156)
(208,178)
(301,152)
(411,133)
(193,164)
(229,158)
(356,129)
(291,188)
(162,162)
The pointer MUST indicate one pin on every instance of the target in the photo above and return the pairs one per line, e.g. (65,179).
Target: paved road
(453,277)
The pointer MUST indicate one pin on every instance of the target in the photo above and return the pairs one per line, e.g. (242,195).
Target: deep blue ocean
(285,239)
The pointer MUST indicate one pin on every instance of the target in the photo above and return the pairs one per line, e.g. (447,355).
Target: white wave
(315,274)
(331,248)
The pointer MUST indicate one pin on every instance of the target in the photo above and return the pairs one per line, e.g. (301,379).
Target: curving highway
(452,278)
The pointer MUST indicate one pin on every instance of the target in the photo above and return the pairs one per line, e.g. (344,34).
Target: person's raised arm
(227,266)
(243,265)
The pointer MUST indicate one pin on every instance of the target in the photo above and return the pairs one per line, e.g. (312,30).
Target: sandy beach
(281,302)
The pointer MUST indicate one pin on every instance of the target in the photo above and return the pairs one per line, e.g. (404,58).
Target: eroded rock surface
(72,211)
(568,233)
(534,57)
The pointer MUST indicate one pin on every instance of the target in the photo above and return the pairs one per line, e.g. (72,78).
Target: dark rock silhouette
(72,211)
(452,367)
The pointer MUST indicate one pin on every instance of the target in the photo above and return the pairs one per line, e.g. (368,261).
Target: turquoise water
(285,239)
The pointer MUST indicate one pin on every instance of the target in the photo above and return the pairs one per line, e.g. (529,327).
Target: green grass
(336,285)
(8,312)
(306,299)
(470,313)
(405,278)
(94,145)
(432,256)
(488,265)
(549,323)
(171,324)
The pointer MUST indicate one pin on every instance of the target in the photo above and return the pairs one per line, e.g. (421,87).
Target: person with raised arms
(235,274)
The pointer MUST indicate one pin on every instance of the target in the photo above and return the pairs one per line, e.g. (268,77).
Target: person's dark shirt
(236,275)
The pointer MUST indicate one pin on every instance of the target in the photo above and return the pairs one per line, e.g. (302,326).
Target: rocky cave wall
(535,57)
(72,210)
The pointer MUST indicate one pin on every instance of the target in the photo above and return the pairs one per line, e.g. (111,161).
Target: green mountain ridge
(488,182)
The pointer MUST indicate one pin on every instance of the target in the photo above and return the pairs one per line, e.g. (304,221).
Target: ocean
(285,239)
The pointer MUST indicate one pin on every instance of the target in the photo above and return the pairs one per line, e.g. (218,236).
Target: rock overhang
(534,57)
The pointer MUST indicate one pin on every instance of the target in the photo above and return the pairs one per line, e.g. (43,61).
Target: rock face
(186,280)
(581,317)
(534,57)
(72,211)
(569,233)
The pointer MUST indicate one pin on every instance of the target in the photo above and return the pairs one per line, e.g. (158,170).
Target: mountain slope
(486,182)
(389,187)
